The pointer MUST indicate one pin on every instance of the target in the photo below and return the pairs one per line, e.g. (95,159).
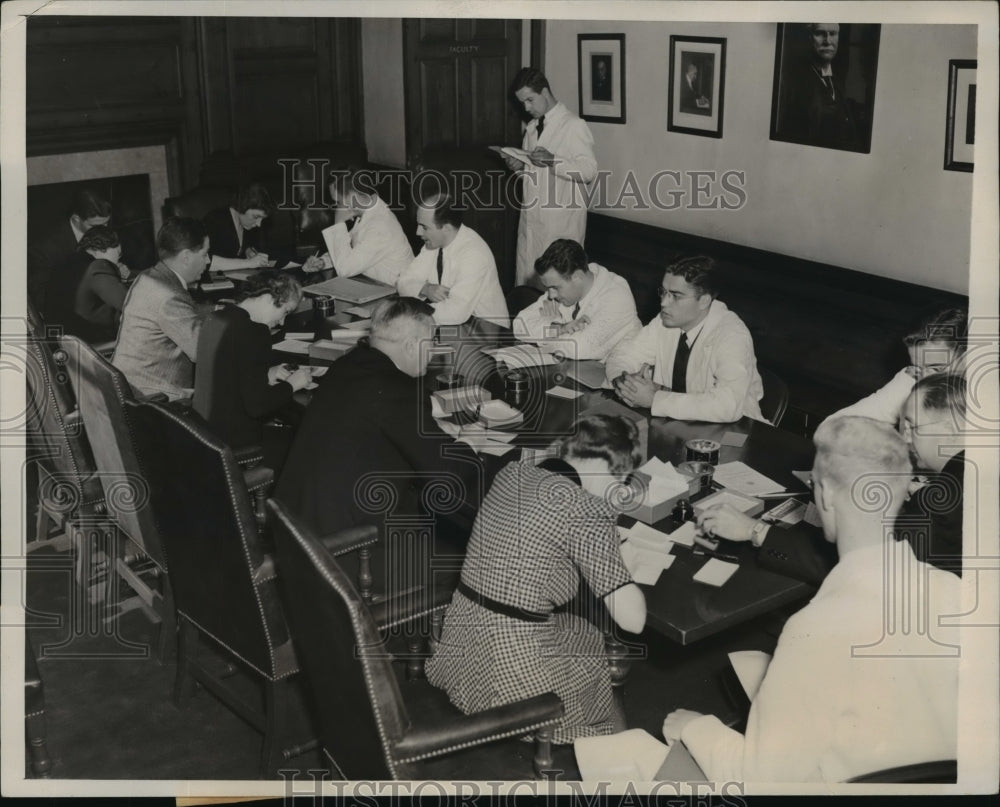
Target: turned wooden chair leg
(543,753)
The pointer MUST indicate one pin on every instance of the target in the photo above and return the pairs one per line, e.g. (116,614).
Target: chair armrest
(340,543)
(156,397)
(266,571)
(258,477)
(451,733)
(402,608)
(248,455)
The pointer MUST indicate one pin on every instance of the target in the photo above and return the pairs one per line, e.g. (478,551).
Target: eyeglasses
(905,427)
(674,295)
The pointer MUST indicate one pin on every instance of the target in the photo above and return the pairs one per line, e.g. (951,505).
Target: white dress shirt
(554,198)
(722,381)
(469,272)
(884,404)
(855,685)
(608,305)
(375,246)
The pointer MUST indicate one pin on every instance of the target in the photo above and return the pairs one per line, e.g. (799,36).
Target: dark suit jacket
(810,115)
(231,390)
(87,298)
(223,239)
(47,256)
(931,520)
(368,430)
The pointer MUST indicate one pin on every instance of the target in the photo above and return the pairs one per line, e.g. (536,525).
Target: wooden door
(457,74)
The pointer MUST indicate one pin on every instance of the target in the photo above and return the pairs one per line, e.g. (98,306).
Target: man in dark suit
(158,336)
(49,252)
(367,445)
(692,100)
(930,519)
(814,107)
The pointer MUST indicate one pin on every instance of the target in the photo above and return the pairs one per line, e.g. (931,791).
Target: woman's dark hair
(610,438)
(252,197)
(950,326)
(88,204)
(282,287)
(98,238)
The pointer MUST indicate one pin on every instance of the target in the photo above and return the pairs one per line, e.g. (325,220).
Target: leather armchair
(222,579)
(344,657)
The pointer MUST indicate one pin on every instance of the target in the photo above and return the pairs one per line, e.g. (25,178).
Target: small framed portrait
(601,77)
(960,132)
(696,85)
(824,84)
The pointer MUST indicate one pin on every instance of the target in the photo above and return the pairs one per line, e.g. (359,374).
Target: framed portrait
(601,77)
(961,117)
(824,84)
(696,85)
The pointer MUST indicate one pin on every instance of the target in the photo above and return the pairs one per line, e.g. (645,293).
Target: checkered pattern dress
(535,534)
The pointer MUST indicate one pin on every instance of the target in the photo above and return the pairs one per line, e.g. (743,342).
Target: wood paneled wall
(212,89)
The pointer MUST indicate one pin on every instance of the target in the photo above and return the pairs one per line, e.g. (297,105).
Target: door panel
(457,103)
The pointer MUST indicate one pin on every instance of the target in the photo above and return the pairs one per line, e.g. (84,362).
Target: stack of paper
(292,346)
(742,478)
(498,413)
(644,565)
(716,572)
(664,483)
(518,357)
(484,440)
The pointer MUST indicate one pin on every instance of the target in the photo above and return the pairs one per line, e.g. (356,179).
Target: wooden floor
(109,711)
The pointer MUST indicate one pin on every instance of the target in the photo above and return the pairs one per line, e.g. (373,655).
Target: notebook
(354,291)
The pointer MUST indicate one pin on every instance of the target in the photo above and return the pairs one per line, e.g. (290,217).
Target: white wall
(382,63)
(894,212)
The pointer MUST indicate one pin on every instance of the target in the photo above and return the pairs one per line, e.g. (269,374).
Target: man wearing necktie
(813,106)
(560,148)
(695,361)
(587,310)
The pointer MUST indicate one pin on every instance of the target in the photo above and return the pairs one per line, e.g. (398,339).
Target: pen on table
(784,494)
(698,550)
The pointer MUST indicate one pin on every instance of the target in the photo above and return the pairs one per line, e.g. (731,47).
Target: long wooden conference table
(678,607)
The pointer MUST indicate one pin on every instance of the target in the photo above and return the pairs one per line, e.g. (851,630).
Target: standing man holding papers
(586,304)
(561,163)
(455,271)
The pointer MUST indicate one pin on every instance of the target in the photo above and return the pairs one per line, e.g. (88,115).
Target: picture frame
(960,125)
(601,77)
(696,85)
(824,84)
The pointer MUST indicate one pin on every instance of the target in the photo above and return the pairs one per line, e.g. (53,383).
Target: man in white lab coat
(561,164)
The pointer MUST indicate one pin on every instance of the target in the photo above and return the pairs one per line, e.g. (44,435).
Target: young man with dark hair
(695,361)
(158,336)
(562,163)
(455,271)
(365,237)
(585,305)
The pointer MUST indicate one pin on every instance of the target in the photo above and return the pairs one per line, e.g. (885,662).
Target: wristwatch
(758,533)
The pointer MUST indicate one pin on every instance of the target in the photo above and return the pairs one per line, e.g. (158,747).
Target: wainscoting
(833,334)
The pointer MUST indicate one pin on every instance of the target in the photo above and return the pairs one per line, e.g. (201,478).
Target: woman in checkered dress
(539,530)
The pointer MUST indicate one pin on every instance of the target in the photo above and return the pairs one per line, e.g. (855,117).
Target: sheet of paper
(318,372)
(217,285)
(482,444)
(733,439)
(292,265)
(645,537)
(644,565)
(518,357)
(684,534)
(450,428)
(563,392)
(716,572)
(511,151)
(241,274)
(811,516)
(750,667)
(742,478)
(590,373)
(805,477)
(352,334)
(479,430)
(302,336)
(292,346)
(634,755)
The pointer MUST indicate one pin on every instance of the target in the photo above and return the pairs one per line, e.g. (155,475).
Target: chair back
(337,641)
(52,418)
(775,400)
(102,392)
(222,581)
(196,203)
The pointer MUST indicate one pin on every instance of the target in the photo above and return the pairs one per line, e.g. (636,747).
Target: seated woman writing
(538,531)
(234,231)
(236,386)
(87,298)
